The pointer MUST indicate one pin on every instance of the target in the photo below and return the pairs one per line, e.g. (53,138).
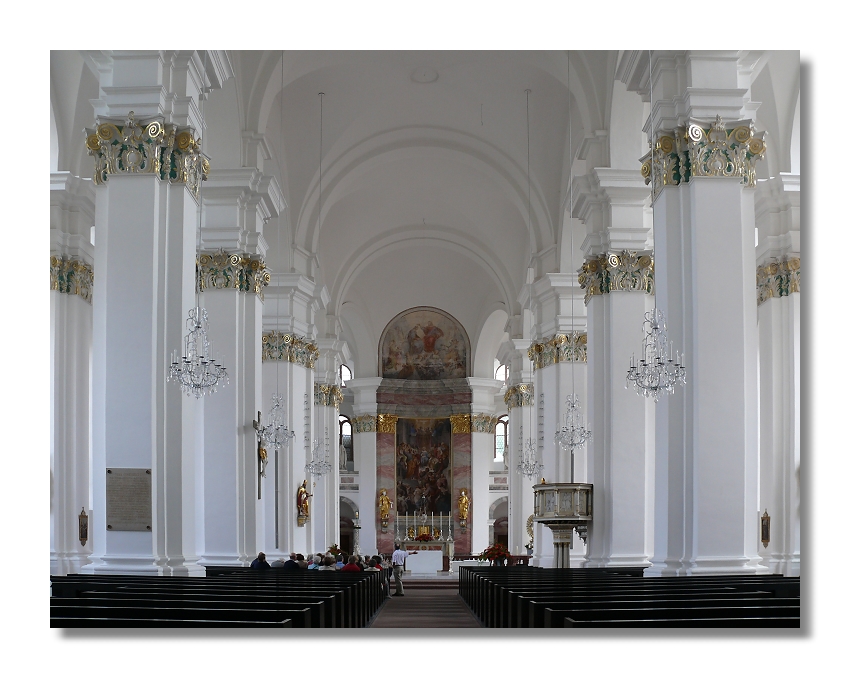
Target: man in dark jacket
(292,563)
(259,563)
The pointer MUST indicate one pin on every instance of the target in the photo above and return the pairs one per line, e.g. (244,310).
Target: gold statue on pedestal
(463,506)
(303,503)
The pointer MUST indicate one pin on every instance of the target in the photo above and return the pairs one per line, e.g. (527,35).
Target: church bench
(124,623)
(555,618)
(301,618)
(696,622)
(321,612)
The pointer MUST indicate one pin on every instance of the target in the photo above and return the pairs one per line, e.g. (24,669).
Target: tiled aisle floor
(425,608)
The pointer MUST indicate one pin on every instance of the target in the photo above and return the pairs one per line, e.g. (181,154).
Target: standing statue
(303,500)
(342,457)
(384,505)
(463,505)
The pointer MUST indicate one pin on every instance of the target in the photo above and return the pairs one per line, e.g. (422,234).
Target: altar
(424,562)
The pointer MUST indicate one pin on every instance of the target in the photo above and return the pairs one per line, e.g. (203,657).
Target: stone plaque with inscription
(128,499)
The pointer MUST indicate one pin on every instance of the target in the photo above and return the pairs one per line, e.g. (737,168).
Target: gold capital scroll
(461,423)
(386,423)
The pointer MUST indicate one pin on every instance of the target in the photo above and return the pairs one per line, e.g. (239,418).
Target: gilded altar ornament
(327,395)
(387,423)
(384,506)
(153,147)
(71,276)
(220,270)
(463,508)
(695,150)
(302,502)
(289,348)
(560,348)
(520,395)
(778,279)
(460,423)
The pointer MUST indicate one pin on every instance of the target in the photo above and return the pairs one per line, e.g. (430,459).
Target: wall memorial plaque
(128,499)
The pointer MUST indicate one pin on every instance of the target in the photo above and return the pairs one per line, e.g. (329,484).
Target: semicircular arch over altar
(423,343)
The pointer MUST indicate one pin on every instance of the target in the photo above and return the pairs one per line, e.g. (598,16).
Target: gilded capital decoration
(327,395)
(697,151)
(778,279)
(483,423)
(624,271)
(147,147)
(365,423)
(223,271)
(460,423)
(521,395)
(290,348)
(71,276)
(562,348)
(386,423)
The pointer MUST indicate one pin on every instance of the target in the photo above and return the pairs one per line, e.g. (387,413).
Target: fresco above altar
(424,343)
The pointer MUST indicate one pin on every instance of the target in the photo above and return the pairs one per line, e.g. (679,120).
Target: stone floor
(429,601)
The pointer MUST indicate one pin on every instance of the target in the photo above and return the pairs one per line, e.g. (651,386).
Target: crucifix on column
(262,458)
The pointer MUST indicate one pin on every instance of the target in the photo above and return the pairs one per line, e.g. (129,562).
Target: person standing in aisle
(399,556)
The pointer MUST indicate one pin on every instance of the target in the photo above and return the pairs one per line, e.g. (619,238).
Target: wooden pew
(78,609)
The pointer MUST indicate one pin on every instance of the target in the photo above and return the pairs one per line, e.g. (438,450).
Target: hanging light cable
(274,432)
(573,434)
(655,373)
(528,465)
(196,370)
(319,464)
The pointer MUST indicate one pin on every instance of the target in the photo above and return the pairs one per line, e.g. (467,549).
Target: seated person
(292,563)
(259,563)
(352,565)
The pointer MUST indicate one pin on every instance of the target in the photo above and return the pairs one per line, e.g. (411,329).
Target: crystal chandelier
(196,371)
(275,434)
(528,464)
(656,373)
(319,463)
(573,434)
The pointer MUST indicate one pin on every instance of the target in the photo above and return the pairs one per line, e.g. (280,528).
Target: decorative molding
(223,271)
(290,348)
(778,279)
(147,147)
(483,423)
(70,275)
(520,395)
(460,423)
(327,395)
(626,271)
(561,348)
(386,423)
(697,151)
(365,423)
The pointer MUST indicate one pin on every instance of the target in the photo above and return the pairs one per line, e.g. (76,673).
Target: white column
(483,445)
(365,463)
(778,279)
(617,276)
(236,203)
(72,256)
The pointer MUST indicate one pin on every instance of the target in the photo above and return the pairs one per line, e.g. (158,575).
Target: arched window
(502,372)
(347,442)
(345,374)
(501,438)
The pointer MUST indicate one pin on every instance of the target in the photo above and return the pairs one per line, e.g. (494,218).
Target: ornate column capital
(366,423)
(290,348)
(702,150)
(561,348)
(460,423)
(386,423)
(149,146)
(71,276)
(625,271)
(520,395)
(483,423)
(778,279)
(327,395)
(220,270)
